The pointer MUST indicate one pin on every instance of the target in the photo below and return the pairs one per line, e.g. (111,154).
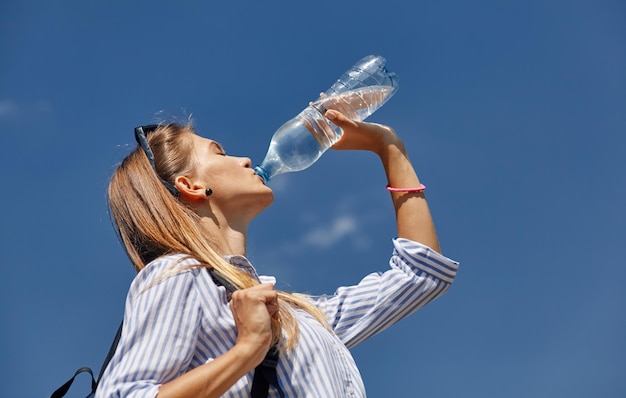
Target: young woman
(182,206)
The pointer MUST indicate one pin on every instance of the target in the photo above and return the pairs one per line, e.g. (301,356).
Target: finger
(263,293)
(269,297)
(340,119)
(260,286)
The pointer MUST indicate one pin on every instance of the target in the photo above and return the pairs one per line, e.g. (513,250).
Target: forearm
(413,216)
(214,378)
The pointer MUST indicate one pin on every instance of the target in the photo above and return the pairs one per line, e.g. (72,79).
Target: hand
(253,310)
(364,136)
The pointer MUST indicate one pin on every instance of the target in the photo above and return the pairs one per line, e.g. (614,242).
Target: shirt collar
(243,264)
(246,266)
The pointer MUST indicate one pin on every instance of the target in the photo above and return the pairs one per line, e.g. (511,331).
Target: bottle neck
(261,172)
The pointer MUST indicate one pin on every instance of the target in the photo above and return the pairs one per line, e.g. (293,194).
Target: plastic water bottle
(358,93)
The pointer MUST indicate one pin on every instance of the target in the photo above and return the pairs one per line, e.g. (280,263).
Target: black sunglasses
(141,133)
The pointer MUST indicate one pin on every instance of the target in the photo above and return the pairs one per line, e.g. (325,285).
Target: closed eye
(217,149)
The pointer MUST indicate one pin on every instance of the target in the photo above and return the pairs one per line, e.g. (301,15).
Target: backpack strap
(116,341)
(61,391)
(265,375)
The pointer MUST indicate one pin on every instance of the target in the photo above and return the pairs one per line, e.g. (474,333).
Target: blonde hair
(151,222)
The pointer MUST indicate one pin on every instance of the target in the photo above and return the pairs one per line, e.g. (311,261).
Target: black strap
(116,340)
(61,391)
(265,375)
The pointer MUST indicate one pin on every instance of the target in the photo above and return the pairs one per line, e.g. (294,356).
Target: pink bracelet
(421,188)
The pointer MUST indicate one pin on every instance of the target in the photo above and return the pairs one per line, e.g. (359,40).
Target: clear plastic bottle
(358,93)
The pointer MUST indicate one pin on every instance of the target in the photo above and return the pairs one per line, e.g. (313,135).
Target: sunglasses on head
(141,134)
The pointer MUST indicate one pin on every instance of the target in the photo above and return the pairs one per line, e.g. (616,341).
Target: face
(235,185)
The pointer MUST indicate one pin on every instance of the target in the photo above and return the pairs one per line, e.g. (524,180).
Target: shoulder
(170,269)
(176,275)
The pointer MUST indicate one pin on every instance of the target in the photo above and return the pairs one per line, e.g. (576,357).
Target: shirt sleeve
(161,322)
(417,276)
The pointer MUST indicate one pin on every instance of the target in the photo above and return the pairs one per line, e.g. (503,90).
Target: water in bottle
(298,143)
(355,104)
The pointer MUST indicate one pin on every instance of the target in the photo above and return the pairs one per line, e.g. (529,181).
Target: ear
(188,189)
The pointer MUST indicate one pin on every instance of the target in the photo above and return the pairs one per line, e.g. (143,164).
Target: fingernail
(330,114)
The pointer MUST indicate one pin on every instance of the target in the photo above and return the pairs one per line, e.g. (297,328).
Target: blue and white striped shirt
(185,321)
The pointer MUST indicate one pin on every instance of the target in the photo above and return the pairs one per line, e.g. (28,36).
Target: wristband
(421,188)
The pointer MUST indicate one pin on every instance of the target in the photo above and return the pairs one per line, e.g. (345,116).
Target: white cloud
(12,109)
(344,224)
(327,236)
(321,237)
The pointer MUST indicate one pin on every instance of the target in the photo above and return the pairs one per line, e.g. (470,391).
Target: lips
(259,177)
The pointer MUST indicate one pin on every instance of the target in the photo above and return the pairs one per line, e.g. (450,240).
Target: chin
(269,199)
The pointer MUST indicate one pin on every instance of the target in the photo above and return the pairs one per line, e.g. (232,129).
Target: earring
(208,192)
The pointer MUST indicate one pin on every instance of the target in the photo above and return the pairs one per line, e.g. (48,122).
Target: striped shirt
(184,321)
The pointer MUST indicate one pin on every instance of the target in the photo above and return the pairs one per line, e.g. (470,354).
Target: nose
(245,162)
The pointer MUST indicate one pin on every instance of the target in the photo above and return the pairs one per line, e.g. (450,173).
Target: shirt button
(350,390)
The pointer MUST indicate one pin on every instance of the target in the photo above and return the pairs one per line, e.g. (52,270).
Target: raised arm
(413,217)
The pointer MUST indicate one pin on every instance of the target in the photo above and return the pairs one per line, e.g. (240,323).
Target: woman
(189,211)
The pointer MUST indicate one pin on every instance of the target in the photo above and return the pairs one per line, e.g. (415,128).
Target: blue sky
(514,114)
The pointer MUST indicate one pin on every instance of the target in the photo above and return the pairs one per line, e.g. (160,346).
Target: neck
(230,235)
